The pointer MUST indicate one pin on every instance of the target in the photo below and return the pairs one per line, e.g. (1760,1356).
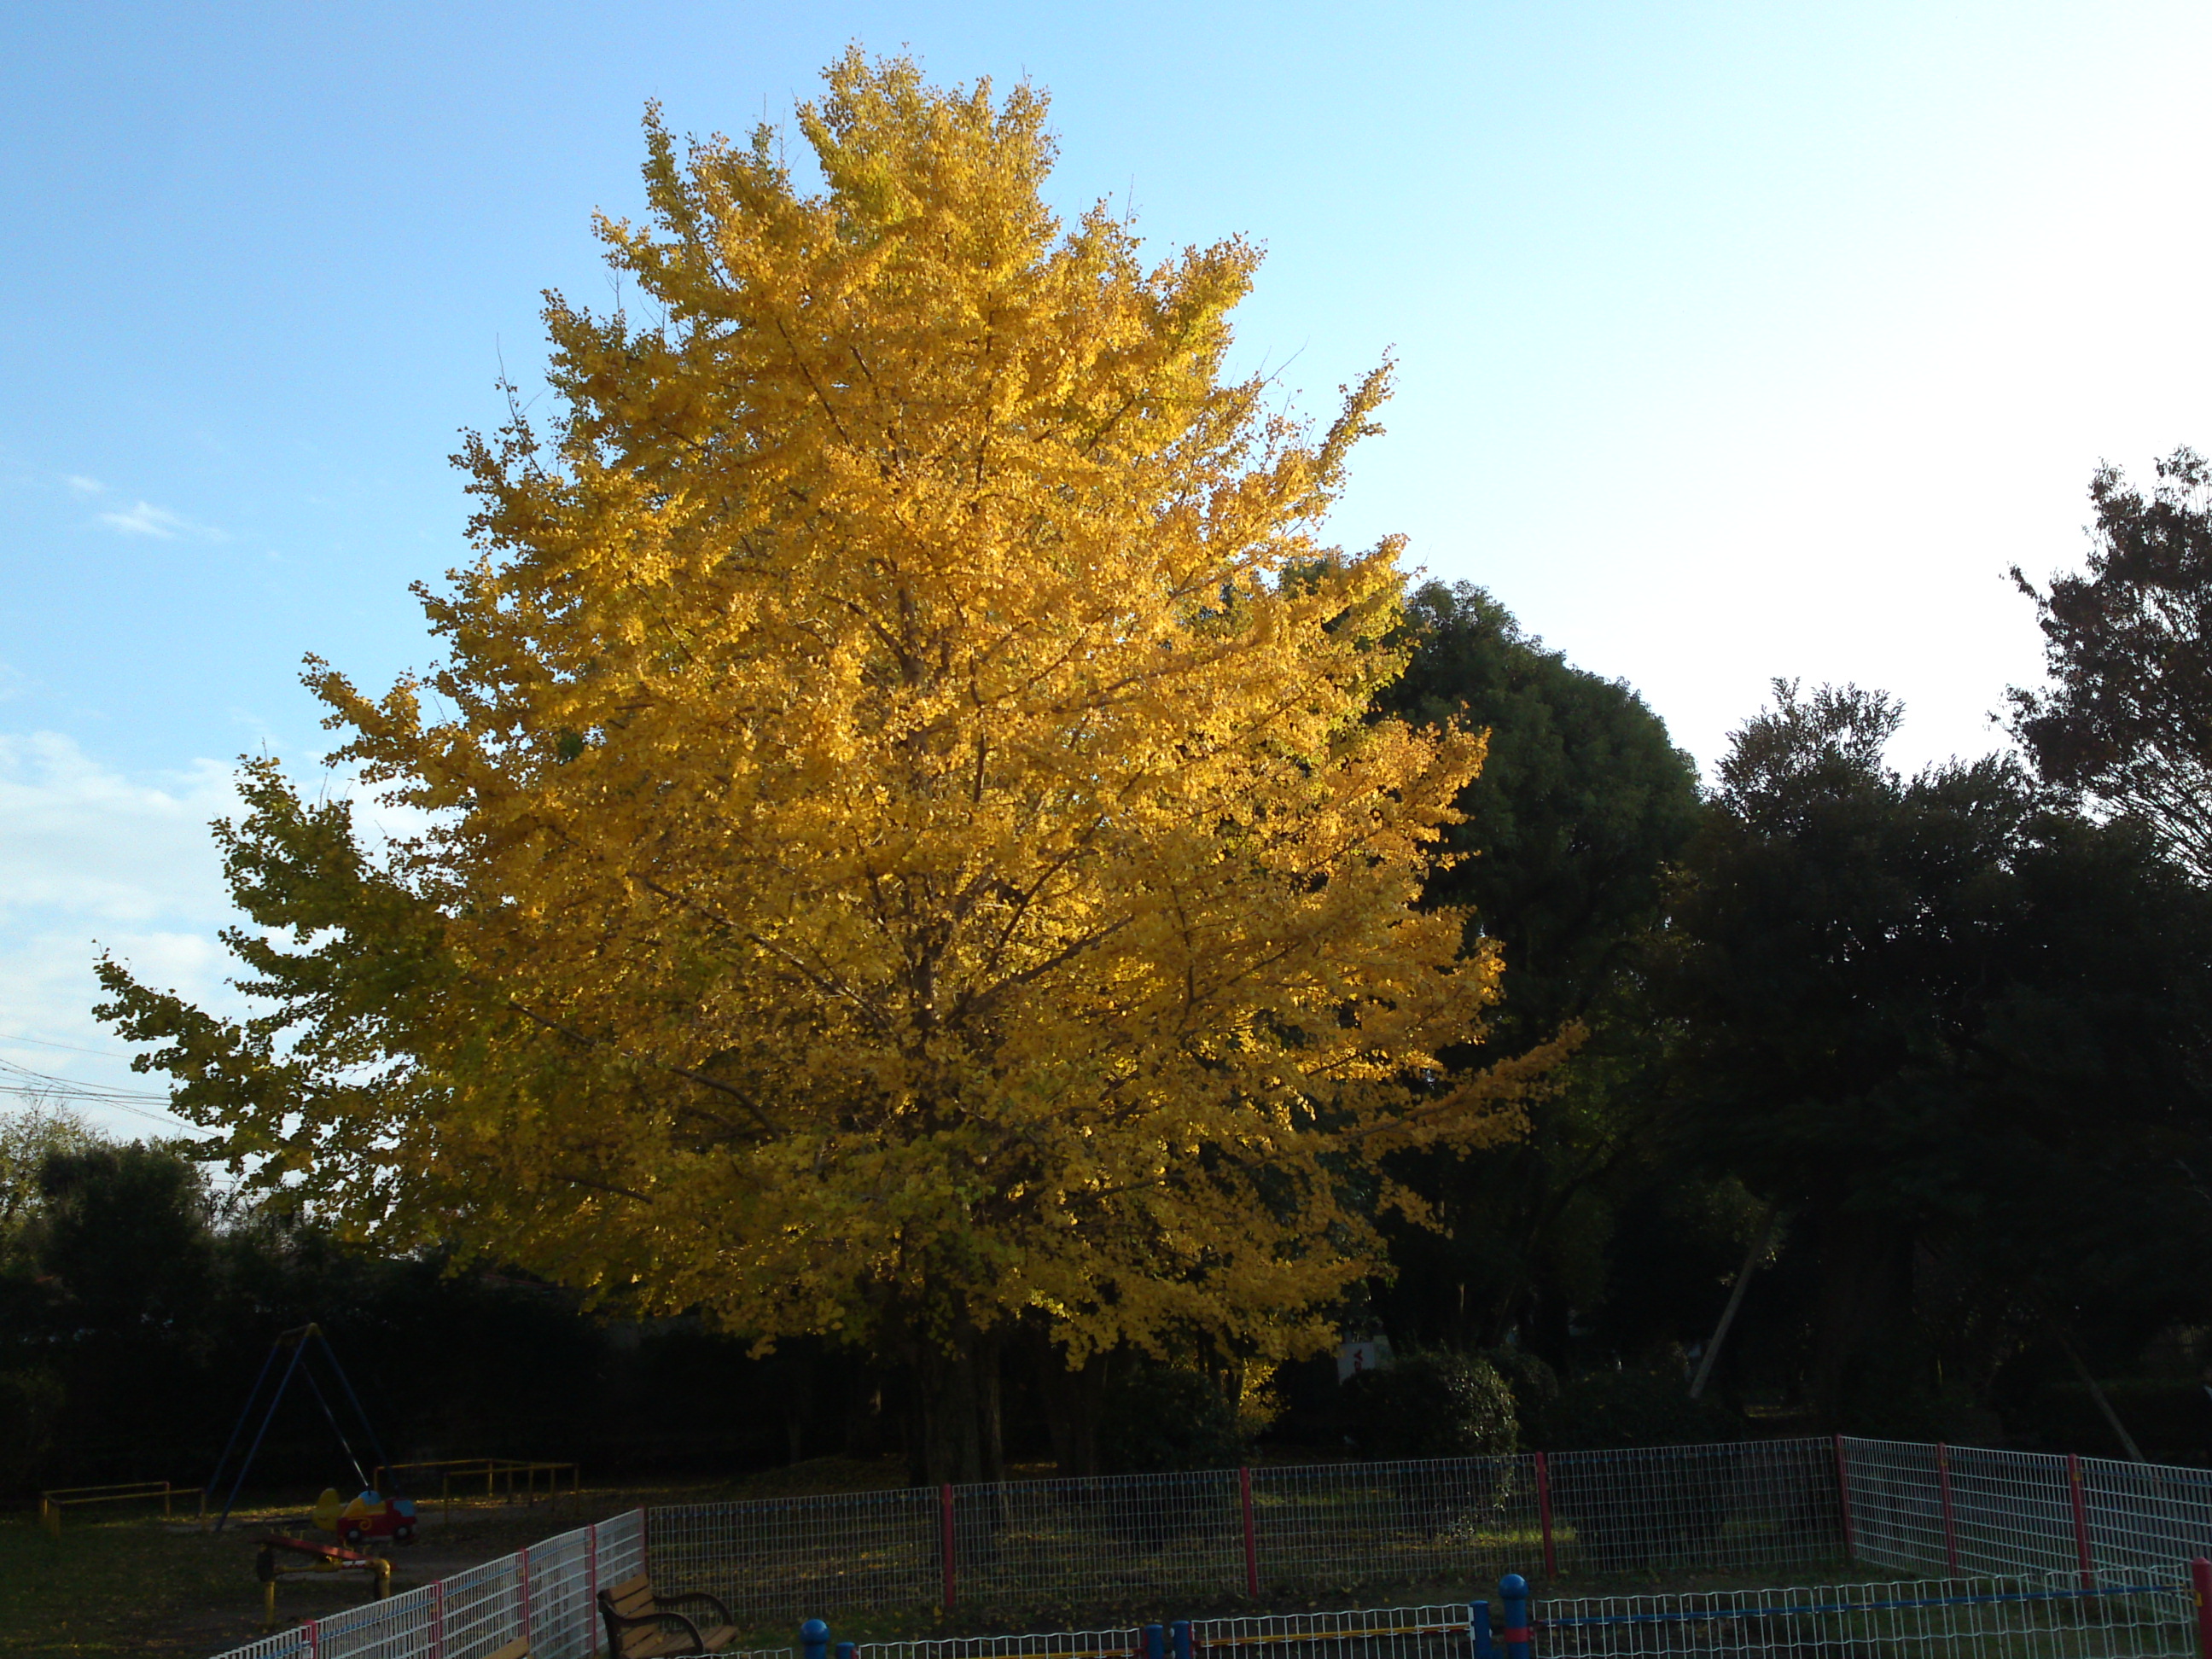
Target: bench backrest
(631,1599)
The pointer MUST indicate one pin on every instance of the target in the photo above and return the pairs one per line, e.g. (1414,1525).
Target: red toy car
(369,1515)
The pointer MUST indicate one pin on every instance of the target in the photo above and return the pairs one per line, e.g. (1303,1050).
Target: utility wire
(28,1084)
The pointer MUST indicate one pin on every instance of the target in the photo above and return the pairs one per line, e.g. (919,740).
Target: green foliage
(1581,802)
(1947,1023)
(1431,1404)
(1158,1417)
(124,1286)
(1533,1383)
(1652,1407)
(2127,719)
(28,1139)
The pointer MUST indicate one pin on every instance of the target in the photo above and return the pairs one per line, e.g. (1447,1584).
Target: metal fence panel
(1896,1510)
(1429,1633)
(1975,1509)
(395,1628)
(784,1558)
(545,1592)
(1056,1645)
(1024,1544)
(1750,1504)
(1346,1527)
(2146,1515)
(2049,1616)
(284,1644)
(1443,1521)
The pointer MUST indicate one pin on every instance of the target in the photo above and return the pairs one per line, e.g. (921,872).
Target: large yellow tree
(907,855)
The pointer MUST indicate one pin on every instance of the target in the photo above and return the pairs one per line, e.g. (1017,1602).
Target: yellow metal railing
(54,1500)
(505,1479)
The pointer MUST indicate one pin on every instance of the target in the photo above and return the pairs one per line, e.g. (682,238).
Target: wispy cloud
(91,857)
(84,486)
(147,519)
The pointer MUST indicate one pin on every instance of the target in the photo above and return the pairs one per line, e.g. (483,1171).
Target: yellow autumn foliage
(908,852)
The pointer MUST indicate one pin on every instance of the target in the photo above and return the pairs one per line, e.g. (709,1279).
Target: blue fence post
(1513,1593)
(1179,1637)
(814,1637)
(848,1650)
(1156,1641)
(1477,1631)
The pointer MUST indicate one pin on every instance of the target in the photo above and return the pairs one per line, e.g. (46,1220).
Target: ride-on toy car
(370,1514)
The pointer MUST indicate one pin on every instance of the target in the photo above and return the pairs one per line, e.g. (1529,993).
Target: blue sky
(1734,341)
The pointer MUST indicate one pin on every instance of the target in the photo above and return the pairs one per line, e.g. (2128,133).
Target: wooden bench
(640,1625)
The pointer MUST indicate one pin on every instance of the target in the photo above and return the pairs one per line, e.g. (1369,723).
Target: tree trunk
(1072,1403)
(991,1402)
(1863,1329)
(961,1438)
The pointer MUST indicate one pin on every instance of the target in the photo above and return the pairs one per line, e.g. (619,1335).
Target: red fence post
(2200,1581)
(437,1619)
(1252,1537)
(2080,1521)
(313,1626)
(1543,1514)
(944,1512)
(1844,1497)
(1943,1491)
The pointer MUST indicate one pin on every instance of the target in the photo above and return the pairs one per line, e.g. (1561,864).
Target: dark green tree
(2127,718)
(1581,804)
(1957,1030)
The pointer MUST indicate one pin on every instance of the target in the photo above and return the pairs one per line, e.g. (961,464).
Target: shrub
(1158,1419)
(1431,1405)
(1608,1409)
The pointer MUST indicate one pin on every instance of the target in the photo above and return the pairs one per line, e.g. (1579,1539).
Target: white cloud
(80,837)
(91,859)
(84,486)
(147,519)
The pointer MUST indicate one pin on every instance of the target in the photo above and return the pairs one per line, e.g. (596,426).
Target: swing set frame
(297,1342)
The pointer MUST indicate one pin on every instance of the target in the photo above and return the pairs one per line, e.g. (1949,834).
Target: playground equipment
(300,1343)
(370,1514)
(55,1499)
(505,1480)
(319,1558)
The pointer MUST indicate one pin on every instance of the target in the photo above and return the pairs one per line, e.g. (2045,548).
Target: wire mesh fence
(1414,1530)
(1969,1509)
(1348,1526)
(544,1594)
(1755,1505)
(1422,1632)
(1309,1530)
(1126,1643)
(781,1558)
(2042,1616)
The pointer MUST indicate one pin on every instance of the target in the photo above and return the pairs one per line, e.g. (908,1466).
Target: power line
(28,1084)
(48,1042)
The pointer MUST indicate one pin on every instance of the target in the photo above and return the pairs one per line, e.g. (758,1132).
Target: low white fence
(546,1594)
